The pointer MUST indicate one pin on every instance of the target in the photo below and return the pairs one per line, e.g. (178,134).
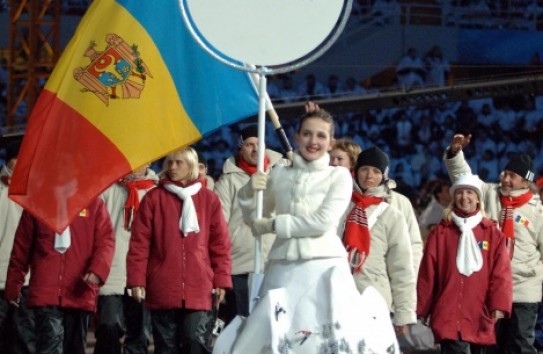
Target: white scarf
(468,257)
(63,240)
(188,222)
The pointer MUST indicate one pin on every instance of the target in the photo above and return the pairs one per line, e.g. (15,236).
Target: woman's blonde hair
(190,156)
(351,148)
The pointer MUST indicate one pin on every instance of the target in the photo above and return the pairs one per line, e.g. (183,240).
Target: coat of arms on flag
(118,66)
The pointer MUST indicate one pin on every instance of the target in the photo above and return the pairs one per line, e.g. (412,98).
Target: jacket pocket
(486,323)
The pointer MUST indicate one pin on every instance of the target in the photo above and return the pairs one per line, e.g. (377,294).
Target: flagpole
(260,162)
(272,113)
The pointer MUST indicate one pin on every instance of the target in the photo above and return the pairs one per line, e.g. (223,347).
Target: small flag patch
(483,245)
(521,220)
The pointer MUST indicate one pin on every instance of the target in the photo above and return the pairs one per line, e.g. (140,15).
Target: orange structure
(34,49)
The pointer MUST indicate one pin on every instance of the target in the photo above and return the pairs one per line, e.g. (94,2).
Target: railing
(68,7)
(528,17)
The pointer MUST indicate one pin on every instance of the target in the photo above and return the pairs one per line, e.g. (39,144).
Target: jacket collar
(315,165)
(379,191)
(514,193)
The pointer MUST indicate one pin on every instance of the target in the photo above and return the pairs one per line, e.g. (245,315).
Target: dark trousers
(179,331)
(138,326)
(118,316)
(60,330)
(516,335)
(109,325)
(240,284)
(539,329)
(461,347)
(237,299)
(17,326)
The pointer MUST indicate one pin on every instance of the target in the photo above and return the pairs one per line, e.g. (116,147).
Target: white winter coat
(309,199)
(243,242)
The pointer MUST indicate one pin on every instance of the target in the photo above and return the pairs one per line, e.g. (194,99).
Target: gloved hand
(262,226)
(259,181)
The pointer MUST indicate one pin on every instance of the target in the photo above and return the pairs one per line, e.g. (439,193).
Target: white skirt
(311,307)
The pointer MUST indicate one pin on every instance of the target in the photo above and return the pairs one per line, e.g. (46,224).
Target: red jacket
(55,278)
(175,268)
(459,304)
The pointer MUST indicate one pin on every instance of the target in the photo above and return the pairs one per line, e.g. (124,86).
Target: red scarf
(5,180)
(506,216)
(133,201)
(357,233)
(202,179)
(250,169)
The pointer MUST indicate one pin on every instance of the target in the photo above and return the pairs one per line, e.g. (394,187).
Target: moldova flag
(131,86)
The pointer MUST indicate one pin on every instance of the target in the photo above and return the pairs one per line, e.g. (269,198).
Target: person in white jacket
(16,324)
(345,153)
(308,302)
(376,237)
(237,171)
(118,314)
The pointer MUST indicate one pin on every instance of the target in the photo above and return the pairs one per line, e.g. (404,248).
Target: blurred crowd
(416,137)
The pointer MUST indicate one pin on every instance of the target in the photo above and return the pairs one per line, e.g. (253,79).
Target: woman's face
(339,157)
(314,138)
(178,168)
(466,199)
(369,177)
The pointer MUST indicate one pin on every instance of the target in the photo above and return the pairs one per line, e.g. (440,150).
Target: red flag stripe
(52,175)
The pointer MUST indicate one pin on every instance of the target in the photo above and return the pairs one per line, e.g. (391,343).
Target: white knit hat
(467,180)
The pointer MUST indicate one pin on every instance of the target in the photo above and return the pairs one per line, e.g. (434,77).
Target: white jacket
(243,242)
(403,204)
(309,199)
(10,213)
(115,197)
(387,266)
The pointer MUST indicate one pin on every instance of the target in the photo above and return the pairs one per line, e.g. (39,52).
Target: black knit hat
(374,157)
(12,150)
(522,165)
(250,131)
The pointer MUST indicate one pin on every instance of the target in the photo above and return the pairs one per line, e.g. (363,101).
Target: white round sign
(266,33)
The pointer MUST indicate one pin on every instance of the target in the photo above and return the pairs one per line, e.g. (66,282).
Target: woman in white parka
(308,302)
(378,241)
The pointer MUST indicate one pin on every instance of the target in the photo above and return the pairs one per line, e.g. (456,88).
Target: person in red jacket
(465,282)
(66,271)
(179,255)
